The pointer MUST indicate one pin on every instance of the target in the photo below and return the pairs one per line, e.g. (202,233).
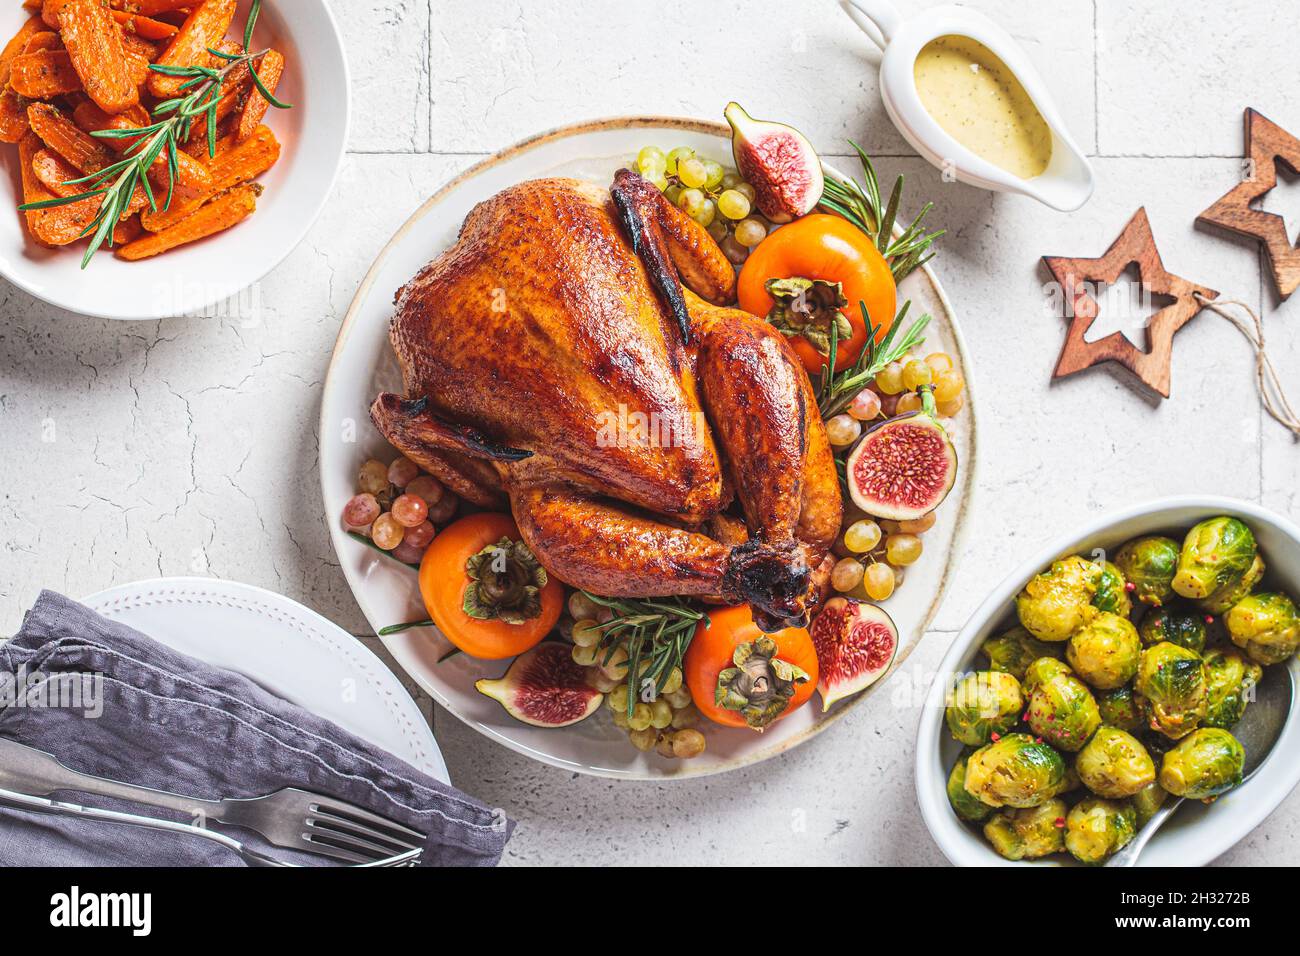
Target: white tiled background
(193,440)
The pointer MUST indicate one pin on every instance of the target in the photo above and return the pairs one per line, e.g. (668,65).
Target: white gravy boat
(1065,184)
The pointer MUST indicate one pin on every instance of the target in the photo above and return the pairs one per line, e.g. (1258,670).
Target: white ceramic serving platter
(1196,833)
(363,365)
(286,648)
(313,136)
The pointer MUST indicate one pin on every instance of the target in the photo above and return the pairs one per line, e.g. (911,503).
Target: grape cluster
(715,197)
(398,507)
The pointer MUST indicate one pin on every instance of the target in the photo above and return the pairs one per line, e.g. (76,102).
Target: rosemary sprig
(404,626)
(860,204)
(655,632)
(172,120)
(835,390)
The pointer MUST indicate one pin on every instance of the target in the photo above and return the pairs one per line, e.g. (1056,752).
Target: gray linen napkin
(174,723)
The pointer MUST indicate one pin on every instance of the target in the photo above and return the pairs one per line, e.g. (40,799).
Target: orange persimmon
(713,650)
(445,577)
(829,249)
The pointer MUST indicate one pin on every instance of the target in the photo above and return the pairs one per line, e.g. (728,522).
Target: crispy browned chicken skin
(553,361)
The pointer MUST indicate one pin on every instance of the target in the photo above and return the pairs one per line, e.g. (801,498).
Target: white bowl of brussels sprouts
(1109,663)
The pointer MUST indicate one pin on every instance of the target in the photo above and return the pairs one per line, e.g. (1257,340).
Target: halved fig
(544,687)
(856,642)
(779,162)
(903,468)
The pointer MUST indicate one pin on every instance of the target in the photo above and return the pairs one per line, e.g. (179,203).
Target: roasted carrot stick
(33,190)
(45,40)
(150,8)
(44,74)
(143,26)
(13,116)
(16,43)
(221,213)
(128,230)
(94,43)
(50,12)
(269,71)
(204,27)
(235,163)
(87,154)
(141,48)
(55,225)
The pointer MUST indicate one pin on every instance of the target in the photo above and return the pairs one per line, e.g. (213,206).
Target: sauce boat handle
(878,19)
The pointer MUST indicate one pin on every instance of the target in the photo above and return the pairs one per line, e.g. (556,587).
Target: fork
(290,818)
(22,801)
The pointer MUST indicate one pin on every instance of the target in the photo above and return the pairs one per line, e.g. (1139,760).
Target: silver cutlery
(289,818)
(22,801)
(1258,731)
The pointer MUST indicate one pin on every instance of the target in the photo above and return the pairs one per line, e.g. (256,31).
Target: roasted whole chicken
(572,356)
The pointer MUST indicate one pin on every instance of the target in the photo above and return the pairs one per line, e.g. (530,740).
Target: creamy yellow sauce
(981,104)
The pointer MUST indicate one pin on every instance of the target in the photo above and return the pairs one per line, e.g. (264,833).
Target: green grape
(706,213)
(651,163)
(746,190)
(689,199)
(692,172)
(675,156)
(713,174)
(731,180)
(734,205)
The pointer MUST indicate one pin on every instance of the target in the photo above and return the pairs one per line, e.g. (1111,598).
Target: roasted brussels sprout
(1112,591)
(1171,680)
(964,804)
(1229,676)
(1014,650)
(1147,801)
(1221,600)
(1149,564)
(1105,652)
(1041,670)
(1058,602)
(1097,828)
(1070,781)
(1029,833)
(1114,764)
(1203,765)
(1014,771)
(1266,626)
(1216,554)
(1119,708)
(1063,712)
(983,704)
(1176,624)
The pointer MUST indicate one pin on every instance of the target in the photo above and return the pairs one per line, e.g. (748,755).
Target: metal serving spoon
(1258,731)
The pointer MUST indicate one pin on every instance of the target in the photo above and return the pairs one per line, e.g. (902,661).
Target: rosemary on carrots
(172,120)
(860,204)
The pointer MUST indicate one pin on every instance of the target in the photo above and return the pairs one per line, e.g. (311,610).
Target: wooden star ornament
(1266,143)
(1080,278)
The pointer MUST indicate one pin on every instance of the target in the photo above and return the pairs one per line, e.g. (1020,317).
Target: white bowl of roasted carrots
(161,155)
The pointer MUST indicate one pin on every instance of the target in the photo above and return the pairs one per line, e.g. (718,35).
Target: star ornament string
(1267,380)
